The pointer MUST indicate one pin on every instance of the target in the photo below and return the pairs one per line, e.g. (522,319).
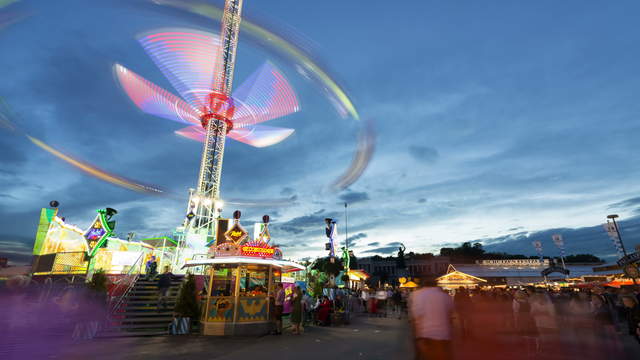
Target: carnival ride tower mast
(216,121)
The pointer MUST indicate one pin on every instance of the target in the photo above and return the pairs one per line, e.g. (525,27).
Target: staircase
(139,314)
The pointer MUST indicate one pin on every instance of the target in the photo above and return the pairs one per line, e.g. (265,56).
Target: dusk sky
(491,119)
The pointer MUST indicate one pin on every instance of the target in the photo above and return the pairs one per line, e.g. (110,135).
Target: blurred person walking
(462,303)
(397,302)
(296,312)
(381,301)
(164,284)
(152,268)
(544,315)
(307,307)
(364,296)
(279,307)
(632,310)
(525,323)
(430,310)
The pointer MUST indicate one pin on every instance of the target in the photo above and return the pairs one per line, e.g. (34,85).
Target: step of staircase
(120,334)
(164,319)
(168,300)
(140,315)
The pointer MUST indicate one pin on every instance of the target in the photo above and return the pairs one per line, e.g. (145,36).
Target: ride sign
(629,259)
(97,233)
(236,234)
(257,249)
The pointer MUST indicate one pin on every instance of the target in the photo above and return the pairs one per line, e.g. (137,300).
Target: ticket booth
(240,293)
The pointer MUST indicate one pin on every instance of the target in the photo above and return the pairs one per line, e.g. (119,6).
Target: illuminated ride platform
(241,280)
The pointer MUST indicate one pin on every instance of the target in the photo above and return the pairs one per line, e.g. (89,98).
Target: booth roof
(409,284)
(485,271)
(160,241)
(287,266)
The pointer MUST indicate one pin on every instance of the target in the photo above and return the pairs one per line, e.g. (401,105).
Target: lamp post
(219,204)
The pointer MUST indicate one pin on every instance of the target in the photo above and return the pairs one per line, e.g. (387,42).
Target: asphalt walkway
(364,338)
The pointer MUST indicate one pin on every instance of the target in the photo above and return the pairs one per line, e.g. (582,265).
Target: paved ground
(365,338)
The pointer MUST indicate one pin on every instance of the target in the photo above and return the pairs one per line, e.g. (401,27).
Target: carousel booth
(242,277)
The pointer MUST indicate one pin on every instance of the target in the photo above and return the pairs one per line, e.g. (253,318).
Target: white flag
(537,245)
(611,230)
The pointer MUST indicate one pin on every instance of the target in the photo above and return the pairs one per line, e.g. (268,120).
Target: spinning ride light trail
(279,43)
(274,42)
(200,66)
(305,61)
(5,122)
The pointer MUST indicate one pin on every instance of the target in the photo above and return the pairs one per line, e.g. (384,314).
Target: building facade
(387,270)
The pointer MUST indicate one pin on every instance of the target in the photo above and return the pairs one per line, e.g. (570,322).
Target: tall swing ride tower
(200,67)
(216,119)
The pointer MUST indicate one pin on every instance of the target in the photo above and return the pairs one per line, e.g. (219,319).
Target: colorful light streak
(95,171)
(276,42)
(187,58)
(5,121)
(304,60)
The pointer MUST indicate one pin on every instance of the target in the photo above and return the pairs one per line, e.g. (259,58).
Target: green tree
(582,258)
(99,282)
(187,305)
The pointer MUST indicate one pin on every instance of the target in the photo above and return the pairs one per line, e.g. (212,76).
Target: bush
(187,304)
(98,282)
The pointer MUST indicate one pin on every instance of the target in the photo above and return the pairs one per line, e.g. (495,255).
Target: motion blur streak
(10,15)
(96,172)
(187,58)
(361,159)
(154,100)
(278,42)
(366,141)
(263,202)
(263,96)
(5,122)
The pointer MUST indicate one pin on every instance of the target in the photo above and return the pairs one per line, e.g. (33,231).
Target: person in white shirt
(381,297)
(430,311)
(365,298)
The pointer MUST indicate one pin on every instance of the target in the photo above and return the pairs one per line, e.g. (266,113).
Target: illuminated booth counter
(240,292)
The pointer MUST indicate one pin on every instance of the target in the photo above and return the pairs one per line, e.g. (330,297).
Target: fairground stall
(242,278)
(454,279)
(63,249)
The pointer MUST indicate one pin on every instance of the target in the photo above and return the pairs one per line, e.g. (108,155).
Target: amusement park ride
(200,66)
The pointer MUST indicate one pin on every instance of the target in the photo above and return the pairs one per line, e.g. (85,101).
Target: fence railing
(124,285)
(63,263)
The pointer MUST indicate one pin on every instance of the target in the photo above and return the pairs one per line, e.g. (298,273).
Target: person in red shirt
(323,311)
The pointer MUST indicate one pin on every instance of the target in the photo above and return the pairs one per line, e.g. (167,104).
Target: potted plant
(187,308)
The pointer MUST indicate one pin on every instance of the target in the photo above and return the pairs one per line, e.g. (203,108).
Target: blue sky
(493,120)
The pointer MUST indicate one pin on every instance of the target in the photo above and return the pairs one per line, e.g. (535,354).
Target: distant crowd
(532,322)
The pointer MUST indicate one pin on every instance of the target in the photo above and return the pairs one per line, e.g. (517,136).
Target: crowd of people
(381,301)
(532,322)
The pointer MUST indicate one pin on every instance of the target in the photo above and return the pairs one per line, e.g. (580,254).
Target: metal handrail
(130,284)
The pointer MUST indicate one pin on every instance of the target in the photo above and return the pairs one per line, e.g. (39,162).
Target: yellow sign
(253,249)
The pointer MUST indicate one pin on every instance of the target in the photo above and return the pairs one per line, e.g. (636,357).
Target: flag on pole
(557,239)
(613,234)
(332,233)
(538,245)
